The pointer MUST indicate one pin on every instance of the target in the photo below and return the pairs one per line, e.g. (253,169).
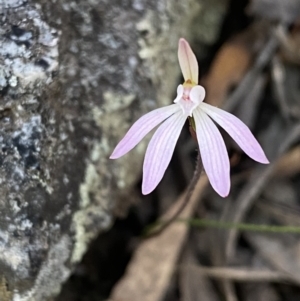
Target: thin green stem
(240,226)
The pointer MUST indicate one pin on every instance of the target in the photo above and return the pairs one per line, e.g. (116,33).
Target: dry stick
(192,284)
(277,253)
(278,78)
(189,192)
(253,188)
(247,83)
(283,213)
(241,274)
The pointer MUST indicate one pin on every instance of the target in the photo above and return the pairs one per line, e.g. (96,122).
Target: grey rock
(73,76)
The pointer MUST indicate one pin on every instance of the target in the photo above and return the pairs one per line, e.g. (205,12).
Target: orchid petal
(213,153)
(160,151)
(180,90)
(187,61)
(197,94)
(141,128)
(239,132)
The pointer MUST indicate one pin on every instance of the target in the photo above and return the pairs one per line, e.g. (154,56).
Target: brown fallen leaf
(193,283)
(148,274)
(228,68)
(289,164)
(232,61)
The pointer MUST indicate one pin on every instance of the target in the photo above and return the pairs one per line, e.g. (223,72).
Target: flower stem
(158,227)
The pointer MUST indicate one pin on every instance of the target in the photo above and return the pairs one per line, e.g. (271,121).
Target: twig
(242,274)
(254,187)
(247,82)
(278,77)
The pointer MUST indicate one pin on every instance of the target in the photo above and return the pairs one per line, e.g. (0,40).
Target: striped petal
(141,128)
(160,151)
(213,153)
(187,61)
(239,132)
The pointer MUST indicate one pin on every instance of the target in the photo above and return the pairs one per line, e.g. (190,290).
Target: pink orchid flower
(189,103)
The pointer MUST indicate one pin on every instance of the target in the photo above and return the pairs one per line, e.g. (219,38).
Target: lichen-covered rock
(73,76)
